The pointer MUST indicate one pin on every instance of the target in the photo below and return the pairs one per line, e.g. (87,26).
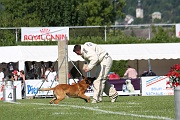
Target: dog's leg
(60,95)
(52,101)
(58,100)
(86,98)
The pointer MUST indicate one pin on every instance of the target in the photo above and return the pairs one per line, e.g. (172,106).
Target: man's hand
(86,70)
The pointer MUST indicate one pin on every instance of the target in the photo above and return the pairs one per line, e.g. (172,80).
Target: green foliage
(59,13)
(87,32)
(161,35)
(19,13)
(38,43)
(7,38)
(119,67)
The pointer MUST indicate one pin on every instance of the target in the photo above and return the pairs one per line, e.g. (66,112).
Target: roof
(156,13)
(117,52)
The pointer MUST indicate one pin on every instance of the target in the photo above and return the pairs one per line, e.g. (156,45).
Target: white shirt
(51,76)
(93,53)
(1,76)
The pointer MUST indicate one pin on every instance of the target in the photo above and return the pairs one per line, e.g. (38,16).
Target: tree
(119,67)
(79,12)
(161,35)
(19,13)
(60,12)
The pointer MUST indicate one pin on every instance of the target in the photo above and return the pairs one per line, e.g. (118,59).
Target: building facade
(139,10)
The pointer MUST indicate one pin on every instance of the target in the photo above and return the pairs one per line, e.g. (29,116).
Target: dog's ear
(91,80)
(83,76)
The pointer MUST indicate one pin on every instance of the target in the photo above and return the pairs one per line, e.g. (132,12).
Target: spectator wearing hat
(15,75)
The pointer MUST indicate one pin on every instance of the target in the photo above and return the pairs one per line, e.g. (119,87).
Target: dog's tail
(46,89)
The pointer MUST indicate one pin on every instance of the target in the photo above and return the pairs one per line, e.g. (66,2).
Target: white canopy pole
(21,65)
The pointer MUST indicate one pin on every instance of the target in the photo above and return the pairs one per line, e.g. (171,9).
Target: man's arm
(92,57)
(125,74)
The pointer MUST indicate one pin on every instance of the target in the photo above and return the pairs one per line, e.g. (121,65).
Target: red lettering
(63,37)
(39,37)
(42,37)
(30,37)
(34,37)
(25,37)
(60,36)
(53,37)
(46,37)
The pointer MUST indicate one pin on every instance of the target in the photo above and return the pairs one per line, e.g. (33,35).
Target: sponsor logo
(31,89)
(45,34)
(154,80)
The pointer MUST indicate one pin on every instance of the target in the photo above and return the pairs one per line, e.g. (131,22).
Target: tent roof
(144,51)
(117,51)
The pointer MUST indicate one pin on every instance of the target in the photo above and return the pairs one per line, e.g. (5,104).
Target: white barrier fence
(150,86)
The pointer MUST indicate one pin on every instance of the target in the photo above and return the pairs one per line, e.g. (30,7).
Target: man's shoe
(114,99)
(100,99)
(94,101)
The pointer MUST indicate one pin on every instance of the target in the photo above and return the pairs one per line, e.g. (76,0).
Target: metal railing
(102,31)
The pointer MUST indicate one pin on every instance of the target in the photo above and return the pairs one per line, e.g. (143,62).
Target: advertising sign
(155,86)
(178,30)
(29,34)
(32,87)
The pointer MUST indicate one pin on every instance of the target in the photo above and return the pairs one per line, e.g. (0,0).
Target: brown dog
(75,90)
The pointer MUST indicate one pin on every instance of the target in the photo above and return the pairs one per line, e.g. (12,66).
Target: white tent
(137,54)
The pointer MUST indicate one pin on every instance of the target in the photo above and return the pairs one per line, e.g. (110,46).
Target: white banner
(156,85)
(44,33)
(32,87)
(178,30)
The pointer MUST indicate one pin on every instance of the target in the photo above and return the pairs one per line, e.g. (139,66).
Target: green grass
(126,108)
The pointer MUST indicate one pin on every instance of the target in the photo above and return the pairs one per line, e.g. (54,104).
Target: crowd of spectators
(130,73)
(33,72)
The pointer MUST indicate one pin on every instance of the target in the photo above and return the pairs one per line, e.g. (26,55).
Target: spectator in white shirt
(1,75)
(50,75)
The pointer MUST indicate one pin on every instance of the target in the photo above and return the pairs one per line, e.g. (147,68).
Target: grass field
(126,108)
